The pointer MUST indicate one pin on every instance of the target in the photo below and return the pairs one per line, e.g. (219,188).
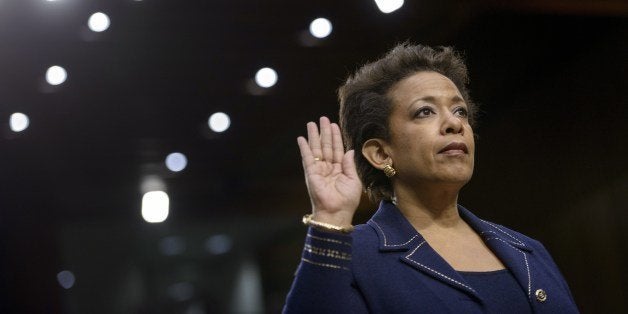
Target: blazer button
(540,294)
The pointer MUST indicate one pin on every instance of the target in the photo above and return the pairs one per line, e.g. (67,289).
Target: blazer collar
(393,229)
(397,234)
(488,230)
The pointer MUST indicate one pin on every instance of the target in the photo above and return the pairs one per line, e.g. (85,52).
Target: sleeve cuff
(327,249)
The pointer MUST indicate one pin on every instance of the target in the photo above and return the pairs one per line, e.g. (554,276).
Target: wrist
(337,218)
(308,220)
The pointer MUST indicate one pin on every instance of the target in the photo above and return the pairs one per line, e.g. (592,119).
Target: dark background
(550,76)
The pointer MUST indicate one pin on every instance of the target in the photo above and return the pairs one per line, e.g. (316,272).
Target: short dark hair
(365,107)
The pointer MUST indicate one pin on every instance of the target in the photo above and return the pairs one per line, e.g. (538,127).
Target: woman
(409,115)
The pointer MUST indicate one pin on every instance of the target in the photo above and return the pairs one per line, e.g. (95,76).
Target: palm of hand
(330,173)
(332,190)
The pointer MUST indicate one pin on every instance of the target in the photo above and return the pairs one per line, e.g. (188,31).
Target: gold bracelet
(307,220)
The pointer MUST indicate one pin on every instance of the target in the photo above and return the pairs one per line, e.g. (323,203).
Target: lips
(454,148)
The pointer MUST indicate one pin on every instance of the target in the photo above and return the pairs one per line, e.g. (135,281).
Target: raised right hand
(330,174)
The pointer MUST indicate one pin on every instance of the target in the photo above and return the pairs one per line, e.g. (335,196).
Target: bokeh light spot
(176,162)
(219,122)
(66,279)
(18,122)
(320,27)
(266,77)
(388,6)
(56,75)
(98,22)
(218,244)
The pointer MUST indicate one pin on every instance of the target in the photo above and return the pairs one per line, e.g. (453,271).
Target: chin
(457,180)
(458,172)
(458,177)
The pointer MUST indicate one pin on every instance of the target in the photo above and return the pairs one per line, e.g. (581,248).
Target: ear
(375,151)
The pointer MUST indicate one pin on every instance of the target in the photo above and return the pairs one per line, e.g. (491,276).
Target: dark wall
(550,77)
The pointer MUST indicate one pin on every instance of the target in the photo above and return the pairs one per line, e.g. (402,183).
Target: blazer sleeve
(323,281)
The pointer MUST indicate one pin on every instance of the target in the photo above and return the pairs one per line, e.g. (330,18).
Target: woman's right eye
(423,112)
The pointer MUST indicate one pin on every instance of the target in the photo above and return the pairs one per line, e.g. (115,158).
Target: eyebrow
(433,99)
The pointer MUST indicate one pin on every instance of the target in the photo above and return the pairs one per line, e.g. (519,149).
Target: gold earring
(389,171)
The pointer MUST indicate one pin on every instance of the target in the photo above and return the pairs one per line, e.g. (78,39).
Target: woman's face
(431,139)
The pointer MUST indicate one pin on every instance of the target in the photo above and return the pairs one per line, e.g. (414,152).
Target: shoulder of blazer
(364,237)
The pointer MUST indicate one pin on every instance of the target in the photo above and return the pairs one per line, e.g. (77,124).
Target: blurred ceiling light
(98,22)
(320,27)
(219,122)
(66,279)
(388,6)
(155,206)
(218,244)
(18,122)
(266,77)
(56,75)
(176,162)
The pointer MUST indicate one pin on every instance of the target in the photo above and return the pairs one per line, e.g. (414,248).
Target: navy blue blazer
(386,266)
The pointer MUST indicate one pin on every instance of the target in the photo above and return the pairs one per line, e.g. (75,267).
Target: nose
(452,125)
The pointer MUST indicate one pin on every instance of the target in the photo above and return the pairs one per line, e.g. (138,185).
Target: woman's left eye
(462,112)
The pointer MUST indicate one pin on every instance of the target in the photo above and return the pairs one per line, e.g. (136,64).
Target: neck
(429,206)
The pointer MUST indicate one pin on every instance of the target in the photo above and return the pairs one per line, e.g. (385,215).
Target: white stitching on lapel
(434,271)
(504,232)
(529,278)
(386,241)
(525,258)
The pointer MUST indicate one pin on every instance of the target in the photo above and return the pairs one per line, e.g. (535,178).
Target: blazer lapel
(512,251)
(425,259)
(396,234)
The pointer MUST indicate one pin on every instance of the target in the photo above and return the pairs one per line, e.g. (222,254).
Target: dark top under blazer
(386,266)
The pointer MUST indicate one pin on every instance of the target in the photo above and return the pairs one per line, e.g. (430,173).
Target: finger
(337,146)
(326,140)
(306,153)
(307,160)
(314,140)
(348,165)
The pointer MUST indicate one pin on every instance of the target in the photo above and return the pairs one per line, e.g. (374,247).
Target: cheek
(412,145)
(470,137)
(416,149)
